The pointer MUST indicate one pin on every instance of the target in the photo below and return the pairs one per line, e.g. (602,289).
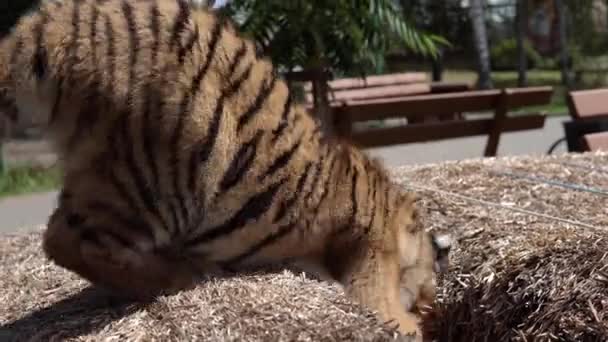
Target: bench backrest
(588,104)
(433,104)
(587,133)
(412,107)
(374,81)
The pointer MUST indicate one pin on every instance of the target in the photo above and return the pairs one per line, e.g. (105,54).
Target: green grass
(16,180)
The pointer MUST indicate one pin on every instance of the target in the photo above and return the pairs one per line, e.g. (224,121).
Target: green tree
(447,18)
(350,37)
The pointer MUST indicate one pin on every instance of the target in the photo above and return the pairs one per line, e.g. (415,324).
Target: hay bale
(41,302)
(515,275)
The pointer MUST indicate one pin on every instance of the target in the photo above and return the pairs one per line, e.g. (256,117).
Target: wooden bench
(376,87)
(382,86)
(588,130)
(417,107)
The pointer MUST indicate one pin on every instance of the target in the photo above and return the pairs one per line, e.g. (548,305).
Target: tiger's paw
(407,326)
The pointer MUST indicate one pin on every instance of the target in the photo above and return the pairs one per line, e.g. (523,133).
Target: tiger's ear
(442,244)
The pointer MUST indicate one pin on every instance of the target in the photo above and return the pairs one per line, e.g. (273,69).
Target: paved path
(26,211)
(21,213)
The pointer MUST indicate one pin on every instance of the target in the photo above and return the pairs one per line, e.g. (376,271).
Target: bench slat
(531,96)
(442,130)
(374,80)
(596,141)
(417,105)
(377,92)
(588,103)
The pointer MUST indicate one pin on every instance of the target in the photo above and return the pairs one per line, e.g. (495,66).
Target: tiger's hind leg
(109,258)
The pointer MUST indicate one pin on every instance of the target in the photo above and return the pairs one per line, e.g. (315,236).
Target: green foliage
(504,55)
(448,18)
(575,59)
(27,179)
(348,36)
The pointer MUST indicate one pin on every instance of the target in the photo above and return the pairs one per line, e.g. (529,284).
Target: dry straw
(531,261)
(530,264)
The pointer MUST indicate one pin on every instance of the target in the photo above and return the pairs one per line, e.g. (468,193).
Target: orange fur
(183,154)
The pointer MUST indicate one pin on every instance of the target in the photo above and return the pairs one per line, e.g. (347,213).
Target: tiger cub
(183,154)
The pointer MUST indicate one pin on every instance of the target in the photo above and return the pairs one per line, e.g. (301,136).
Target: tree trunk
(322,109)
(480,38)
(520,30)
(437,66)
(563,42)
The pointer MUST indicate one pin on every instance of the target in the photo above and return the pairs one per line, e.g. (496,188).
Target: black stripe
(372,200)
(118,183)
(93,33)
(281,161)
(86,118)
(180,22)
(286,205)
(270,239)
(90,233)
(325,187)
(238,56)
(40,58)
(184,112)
(127,11)
(241,163)
(147,127)
(111,52)
(194,36)
(149,155)
(201,154)
(155,27)
(355,208)
(74,220)
(73,45)
(147,195)
(55,110)
(264,93)
(317,174)
(130,222)
(387,209)
(123,193)
(278,132)
(255,207)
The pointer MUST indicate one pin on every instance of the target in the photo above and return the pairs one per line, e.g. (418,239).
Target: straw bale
(515,275)
(42,302)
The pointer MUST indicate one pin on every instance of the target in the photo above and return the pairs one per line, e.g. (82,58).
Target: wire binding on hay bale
(540,274)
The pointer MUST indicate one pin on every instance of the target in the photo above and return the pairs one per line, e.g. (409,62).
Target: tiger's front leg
(112,261)
(373,280)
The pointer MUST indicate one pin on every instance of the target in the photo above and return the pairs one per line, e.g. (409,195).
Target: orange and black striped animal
(183,154)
